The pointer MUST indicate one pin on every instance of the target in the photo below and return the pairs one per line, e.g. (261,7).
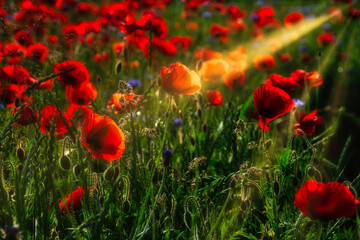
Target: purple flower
(134,83)
(177,122)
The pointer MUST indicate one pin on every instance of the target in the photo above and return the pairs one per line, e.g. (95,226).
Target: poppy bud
(109,173)
(244,205)
(295,182)
(126,207)
(268,144)
(167,156)
(65,163)
(276,188)
(77,169)
(118,67)
(199,113)
(20,153)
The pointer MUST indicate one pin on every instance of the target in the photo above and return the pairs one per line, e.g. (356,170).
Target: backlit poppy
(8,94)
(325,201)
(182,42)
(47,115)
(164,46)
(72,201)
(310,80)
(271,102)
(102,137)
(78,113)
(285,83)
(307,123)
(213,70)
(178,79)
(264,62)
(234,78)
(81,95)
(214,97)
(75,77)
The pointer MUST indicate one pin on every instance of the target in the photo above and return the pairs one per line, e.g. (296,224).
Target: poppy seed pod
(65,163)
(20,154)
(167,156)
(76,170)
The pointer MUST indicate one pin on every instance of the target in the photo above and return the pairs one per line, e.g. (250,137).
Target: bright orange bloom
(178,79)
(264,62)
(213,70)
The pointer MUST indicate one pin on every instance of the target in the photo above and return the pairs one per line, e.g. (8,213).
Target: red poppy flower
(15,74)
(130,24)
(81,95)
(72,201)
(286,57)
(8,94)
(325,38)
(310,80)
(102,137)
(325,201)
(219,32)
(353,14)
(178,79)
(285,83)
(47,115)
(183,42)
(307,123)
(14,52)
(118,47)
(78,113)
(140,40)
(214,97)
(235,12)
(293,18)
(27,116)
(158,27)
(75,77)
(264,62)
(53,39)
(264,16)
(271,102)
(120,103)
(38,51)
(164,46)
(234,78)
(24,38)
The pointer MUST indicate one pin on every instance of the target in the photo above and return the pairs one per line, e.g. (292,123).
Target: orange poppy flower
(102,137)
(264,62)
(178,79)
(213,70)
(237,58)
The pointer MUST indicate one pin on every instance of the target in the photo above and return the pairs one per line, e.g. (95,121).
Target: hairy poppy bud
(20,153)
(167,156)
(65,163)
(77,169)
(126,207)
(109,173)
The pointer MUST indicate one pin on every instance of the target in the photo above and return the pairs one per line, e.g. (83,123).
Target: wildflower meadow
(180,119)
